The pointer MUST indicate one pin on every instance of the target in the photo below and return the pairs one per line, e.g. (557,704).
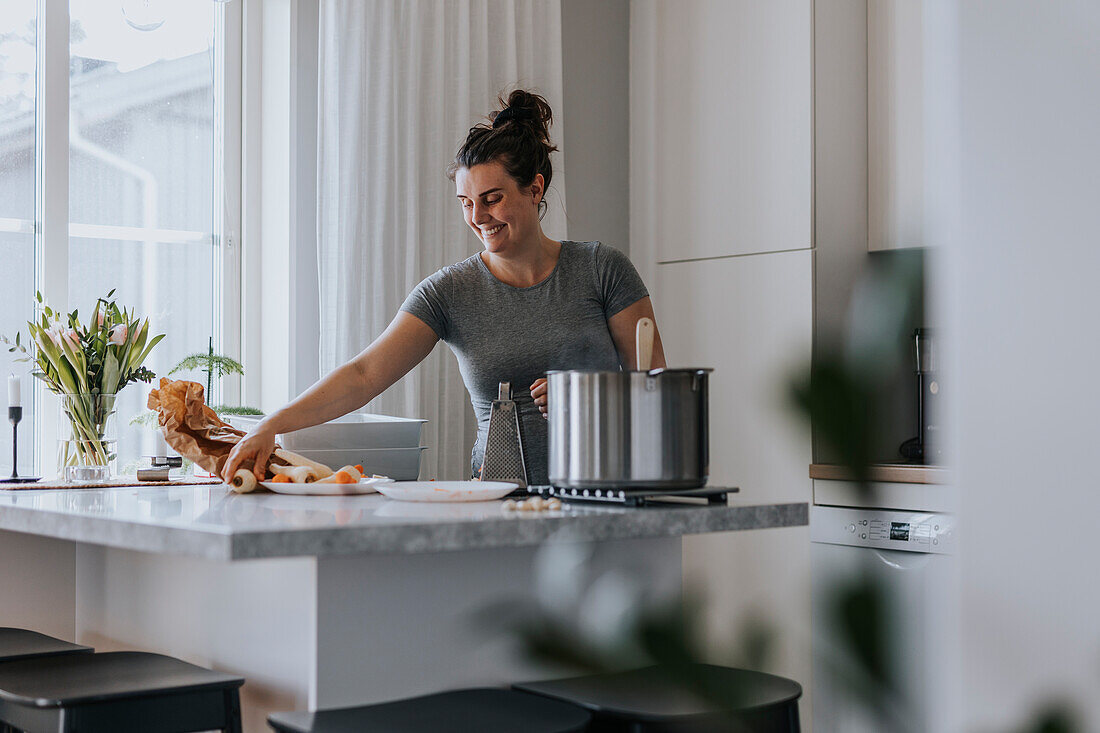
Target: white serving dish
(354,430)
(446,490)
(400,464)
(365,486)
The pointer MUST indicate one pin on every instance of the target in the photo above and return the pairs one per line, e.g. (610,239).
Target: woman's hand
(538,394)
(258,446)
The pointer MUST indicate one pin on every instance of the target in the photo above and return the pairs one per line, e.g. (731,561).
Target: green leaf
(156,340)
(190,362)
(109,381)
(220,365)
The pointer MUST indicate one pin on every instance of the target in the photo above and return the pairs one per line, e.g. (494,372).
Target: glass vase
(87,437)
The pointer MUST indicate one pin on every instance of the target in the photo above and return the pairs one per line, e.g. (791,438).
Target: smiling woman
(526,304)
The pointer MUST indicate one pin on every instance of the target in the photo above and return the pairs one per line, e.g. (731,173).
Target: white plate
(446,490)
(365,486)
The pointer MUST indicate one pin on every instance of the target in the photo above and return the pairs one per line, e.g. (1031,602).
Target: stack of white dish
(381,444)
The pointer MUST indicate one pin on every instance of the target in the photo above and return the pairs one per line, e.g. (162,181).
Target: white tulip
(118,335)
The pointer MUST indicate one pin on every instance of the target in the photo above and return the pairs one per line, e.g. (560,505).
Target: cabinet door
(721,128)
(895,124)
(751,319)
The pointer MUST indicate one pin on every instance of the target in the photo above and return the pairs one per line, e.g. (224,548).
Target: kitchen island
(318,601)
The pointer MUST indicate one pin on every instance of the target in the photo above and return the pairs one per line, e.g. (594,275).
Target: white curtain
(401,82)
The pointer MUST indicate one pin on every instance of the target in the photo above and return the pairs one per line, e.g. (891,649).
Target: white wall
(721,228)
(1023,304)
(595,39)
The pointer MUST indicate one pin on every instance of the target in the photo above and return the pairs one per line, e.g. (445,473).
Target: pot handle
(699,371)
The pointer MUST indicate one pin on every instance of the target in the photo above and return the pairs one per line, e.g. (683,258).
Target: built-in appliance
(908,554)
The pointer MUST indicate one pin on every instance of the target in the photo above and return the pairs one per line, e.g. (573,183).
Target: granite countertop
(207,521)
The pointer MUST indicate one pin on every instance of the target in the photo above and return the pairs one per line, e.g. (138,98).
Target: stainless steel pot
(638,429)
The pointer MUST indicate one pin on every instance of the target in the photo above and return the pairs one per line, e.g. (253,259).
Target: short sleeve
(619,282)
(429,302)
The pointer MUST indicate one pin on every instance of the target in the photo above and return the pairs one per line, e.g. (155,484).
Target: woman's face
(503,215)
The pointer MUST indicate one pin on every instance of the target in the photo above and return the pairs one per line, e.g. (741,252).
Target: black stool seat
(22,644)
(117,691)
(649,700)
(458,711)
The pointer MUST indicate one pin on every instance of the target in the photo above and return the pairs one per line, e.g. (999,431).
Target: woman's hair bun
(517,136)
(525,108)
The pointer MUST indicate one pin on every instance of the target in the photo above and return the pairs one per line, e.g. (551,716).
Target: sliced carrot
(280,479)
(343,477)
(359,468)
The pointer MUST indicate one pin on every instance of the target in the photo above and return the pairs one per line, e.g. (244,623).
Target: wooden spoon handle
(643,344)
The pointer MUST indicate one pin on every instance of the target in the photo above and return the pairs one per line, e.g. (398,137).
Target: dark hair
(517,136)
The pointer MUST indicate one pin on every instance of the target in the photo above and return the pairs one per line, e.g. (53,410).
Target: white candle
(13,391)
(161,446)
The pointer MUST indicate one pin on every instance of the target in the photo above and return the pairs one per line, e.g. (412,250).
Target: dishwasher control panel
(883,529)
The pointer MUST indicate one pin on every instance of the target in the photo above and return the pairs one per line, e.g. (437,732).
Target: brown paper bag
(193,429)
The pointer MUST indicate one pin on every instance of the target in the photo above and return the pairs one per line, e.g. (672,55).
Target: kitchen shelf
(901,473)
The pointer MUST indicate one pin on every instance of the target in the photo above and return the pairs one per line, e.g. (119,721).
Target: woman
(523,306)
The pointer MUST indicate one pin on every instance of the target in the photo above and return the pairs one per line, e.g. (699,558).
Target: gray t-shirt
(502,333)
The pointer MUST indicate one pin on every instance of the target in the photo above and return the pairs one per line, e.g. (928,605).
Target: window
(146,176)
(17,204)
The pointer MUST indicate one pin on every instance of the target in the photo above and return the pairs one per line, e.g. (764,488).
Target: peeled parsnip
(243,481)
(294,459)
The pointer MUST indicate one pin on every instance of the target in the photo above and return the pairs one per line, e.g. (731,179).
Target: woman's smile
(489,232)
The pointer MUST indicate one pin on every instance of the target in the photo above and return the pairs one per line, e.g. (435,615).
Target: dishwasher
(909,555)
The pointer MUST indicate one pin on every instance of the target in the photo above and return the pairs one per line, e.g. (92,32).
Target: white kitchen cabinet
(751,319)
(721,128)
(896,139)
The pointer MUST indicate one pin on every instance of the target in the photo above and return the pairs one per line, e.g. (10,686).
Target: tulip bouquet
(87,365)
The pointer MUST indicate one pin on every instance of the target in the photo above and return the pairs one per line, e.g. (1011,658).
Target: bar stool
(645,701)
(117,692)
(23,644)
(458,711)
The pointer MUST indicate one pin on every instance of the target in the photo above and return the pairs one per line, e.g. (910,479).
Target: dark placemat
(112,484)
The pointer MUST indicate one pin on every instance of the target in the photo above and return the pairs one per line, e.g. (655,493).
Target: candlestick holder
(15,414)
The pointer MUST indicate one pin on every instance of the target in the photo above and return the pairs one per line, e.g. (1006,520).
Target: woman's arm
(622,326)
(403,345)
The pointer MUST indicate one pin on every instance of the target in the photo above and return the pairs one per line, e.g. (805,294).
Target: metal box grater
(504,443)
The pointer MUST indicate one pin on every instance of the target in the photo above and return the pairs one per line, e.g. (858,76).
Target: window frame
(51,225)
